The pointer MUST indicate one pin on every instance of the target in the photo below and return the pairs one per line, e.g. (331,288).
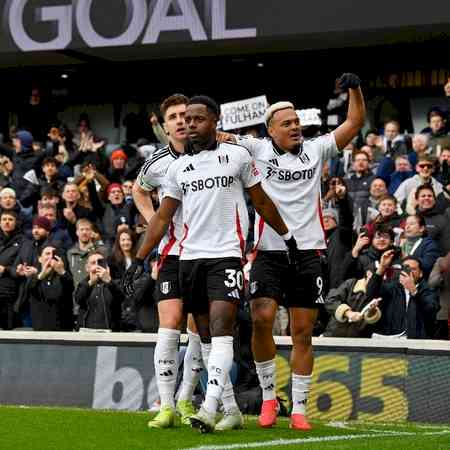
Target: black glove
(349,81)
(133,272)
(293,254)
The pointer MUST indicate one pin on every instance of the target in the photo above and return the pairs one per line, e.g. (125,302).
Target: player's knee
(302,337)
(221,326)
(262,319)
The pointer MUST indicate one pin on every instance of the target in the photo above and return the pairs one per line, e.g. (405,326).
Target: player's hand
(349,81)
(131,275)
(293,254)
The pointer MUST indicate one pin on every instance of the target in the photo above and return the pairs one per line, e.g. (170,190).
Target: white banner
(243,113)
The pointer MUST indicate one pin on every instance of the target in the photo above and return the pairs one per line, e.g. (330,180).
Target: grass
(25,428)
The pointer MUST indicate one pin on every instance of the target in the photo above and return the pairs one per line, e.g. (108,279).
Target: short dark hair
(49,160)
(210,104)
(173,100)
(9,212)
(424,187)
(384,229)
(413,258)
(425,158)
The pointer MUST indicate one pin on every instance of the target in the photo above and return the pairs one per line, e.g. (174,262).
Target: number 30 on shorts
(234,278)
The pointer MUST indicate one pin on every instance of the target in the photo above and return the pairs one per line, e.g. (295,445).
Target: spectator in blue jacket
(403,171)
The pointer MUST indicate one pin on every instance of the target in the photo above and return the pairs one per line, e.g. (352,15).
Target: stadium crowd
(69,229)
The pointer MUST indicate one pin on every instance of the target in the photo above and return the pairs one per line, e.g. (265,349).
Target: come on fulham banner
(243,113)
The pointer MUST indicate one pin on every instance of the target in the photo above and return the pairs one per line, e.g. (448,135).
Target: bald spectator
(403,171)
(368,210)
(439,137)
(393,141)
(420,145)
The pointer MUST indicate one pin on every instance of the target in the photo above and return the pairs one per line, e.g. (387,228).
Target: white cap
(272,109)
(309,117)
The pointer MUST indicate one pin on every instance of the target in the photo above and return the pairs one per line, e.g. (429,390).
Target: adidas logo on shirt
(235,294)
(189,168)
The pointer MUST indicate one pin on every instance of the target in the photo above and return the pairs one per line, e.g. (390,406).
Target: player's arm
(143,201)
(266,209)
(157,226)
(356,114)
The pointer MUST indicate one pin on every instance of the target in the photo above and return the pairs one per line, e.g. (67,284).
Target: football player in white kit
(291,171)
(167,291)
(209,182)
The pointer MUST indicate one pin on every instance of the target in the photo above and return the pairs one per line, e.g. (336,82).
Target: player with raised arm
(209,182)
(167,293)
(291,171)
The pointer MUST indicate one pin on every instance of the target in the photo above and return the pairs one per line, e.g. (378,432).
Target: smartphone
(101,263)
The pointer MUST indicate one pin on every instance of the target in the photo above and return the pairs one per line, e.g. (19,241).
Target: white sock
(206,350)
(219,366)
(300,391)
(166,364)
(266,371)
(193,366)
(228,398)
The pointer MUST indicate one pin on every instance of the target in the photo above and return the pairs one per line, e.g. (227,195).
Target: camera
(406,269)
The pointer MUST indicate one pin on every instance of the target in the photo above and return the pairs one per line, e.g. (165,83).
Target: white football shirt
(293,184)
(152,176)
(210,185)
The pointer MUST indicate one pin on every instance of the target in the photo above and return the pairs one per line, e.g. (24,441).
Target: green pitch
(73,429)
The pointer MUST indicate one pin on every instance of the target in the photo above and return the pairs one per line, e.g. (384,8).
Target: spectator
(437,222)
(118,168)
(369,208)
(56,229)
(424,168)
(50,293)
(403,171)
(8,176)
(367,251)
(123,254)
(338,231)
(440,279)
(8,202)
(443,174)
(99,297)
(409,306)
(418,244)
(373,164)
(11,240)
(372,139)
(77,255)
(393,142)
(420,145)
(49,178)
(330,199)
(439,137)
(72,210)
(359,183)
(345,304)
(117,211)
(387,215)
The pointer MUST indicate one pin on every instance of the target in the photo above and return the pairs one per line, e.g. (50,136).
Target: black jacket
(438,227)
(359,187)
(417,319)
(353,293)
(100,305)
(9,249)
(51,302)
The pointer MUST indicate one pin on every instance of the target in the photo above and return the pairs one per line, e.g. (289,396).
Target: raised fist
(349,81)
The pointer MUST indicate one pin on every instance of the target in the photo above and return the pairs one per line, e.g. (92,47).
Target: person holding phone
(409,305)
(98,296)
(50,288)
